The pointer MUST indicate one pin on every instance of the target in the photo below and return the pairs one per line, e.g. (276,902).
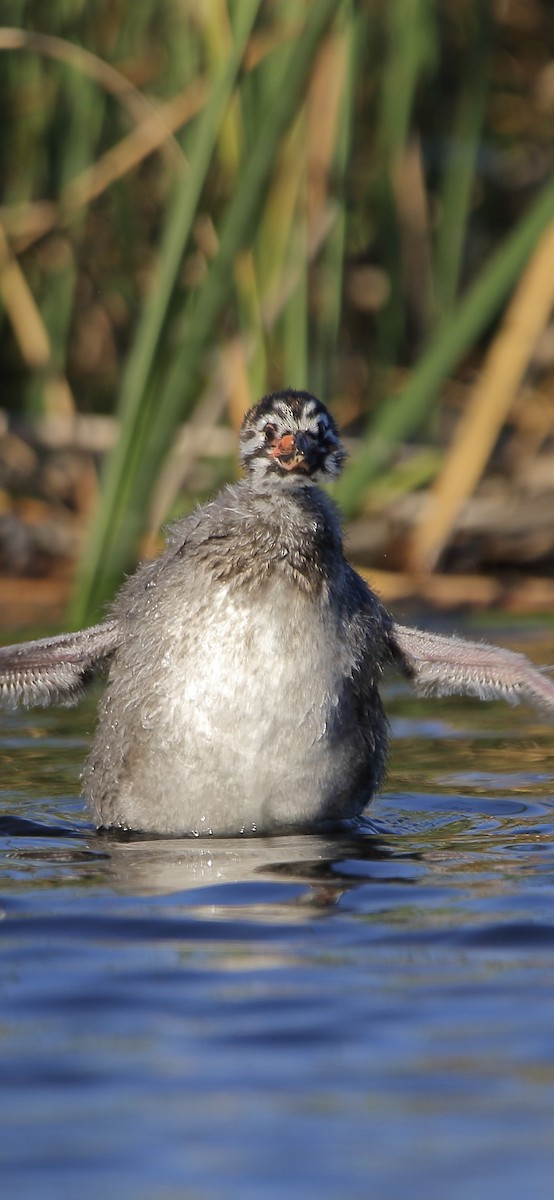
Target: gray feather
(446,666)
(55,670)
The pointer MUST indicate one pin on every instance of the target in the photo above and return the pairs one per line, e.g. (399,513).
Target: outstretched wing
(444,666)
(55,670)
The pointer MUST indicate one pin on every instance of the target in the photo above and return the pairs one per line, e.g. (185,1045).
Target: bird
(244,664)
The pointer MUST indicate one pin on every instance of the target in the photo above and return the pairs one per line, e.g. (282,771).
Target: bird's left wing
(445,666)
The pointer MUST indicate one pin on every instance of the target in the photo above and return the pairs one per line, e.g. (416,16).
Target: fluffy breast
(247,669)
(237,714)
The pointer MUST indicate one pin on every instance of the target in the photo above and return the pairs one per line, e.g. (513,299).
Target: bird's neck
(296,526)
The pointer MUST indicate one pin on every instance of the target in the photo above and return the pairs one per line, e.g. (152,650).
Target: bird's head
(290,436)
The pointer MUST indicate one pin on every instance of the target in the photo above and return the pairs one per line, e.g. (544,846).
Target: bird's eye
(270,433)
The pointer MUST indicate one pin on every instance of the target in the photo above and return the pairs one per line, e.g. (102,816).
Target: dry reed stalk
(31,333)
(318,232)
(238,373)
(280,207)
(486,412)
(412,205)
(323,106)
(107,77)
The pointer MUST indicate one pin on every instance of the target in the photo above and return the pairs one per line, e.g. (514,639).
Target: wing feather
(55,670)
(445,666)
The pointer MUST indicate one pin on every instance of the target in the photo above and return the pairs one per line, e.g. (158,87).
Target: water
(369,1014)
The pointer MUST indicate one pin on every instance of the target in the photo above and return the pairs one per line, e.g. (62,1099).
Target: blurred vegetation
(204,201)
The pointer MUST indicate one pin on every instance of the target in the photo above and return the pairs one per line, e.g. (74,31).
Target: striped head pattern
(291,436)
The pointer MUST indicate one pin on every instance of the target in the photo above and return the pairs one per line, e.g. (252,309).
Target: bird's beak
(299,451)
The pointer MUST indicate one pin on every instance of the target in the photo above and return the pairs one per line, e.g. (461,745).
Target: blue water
(348,1016)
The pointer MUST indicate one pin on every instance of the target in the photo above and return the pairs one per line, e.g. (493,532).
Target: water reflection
(176,865)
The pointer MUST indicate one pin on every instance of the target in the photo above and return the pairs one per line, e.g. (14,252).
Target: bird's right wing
(55,670)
